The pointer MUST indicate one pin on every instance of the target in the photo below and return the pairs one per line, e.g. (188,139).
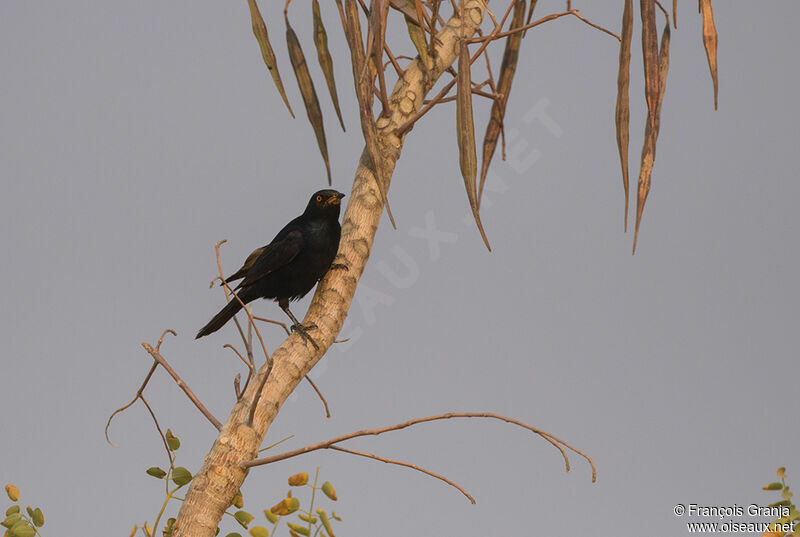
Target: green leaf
(38,517)
(172,441)
(238,501)
(13,509)
(272,517)
(259,531)
(329,491)
(234,534)
(306,518)
(298,479)
(13,492)
(243,517)
(773,486)
(302,530)
(181,476)
(156,472)
(22,529)
(786,494)
(325,522)
(11,519)
(782,472)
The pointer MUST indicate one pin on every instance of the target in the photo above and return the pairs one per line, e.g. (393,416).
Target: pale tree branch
(222,473)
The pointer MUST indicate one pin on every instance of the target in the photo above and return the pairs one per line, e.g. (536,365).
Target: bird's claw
(303,331)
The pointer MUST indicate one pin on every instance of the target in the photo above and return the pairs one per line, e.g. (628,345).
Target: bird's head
(325,202)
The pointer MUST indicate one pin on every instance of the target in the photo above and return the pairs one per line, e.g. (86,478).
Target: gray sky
(134,135)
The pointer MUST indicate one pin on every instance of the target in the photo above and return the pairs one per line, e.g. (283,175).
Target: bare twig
(182,385)
(321,397)
(232,292)
(407,465)
(236,380)
(282,325)
(558,443)
(135,397)
(597,26)
(158,428)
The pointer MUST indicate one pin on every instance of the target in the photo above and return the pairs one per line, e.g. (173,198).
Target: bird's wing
(248,264)
(273,256)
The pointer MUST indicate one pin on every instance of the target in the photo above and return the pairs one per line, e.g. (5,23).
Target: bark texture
(221,476)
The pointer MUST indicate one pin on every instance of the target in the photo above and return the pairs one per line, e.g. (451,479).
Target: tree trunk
(221,476)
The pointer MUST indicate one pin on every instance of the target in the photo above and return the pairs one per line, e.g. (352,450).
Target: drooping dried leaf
(340,8)
(417,35)
(434,18)
(507,70)
(531,7)
(651,134)
(465,134)
(374,44)
(260,31)
(324,57)
(675,13)
(363,87)
(710,42)
(622,115)
(407,8)
(650,56)
(308,92)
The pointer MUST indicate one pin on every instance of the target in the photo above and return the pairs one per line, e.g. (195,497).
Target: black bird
(289,266)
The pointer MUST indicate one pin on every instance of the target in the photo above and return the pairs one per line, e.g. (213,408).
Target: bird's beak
(336,199)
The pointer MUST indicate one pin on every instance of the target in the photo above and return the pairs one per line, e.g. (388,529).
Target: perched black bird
(289,266)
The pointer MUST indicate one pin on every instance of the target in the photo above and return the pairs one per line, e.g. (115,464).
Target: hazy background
(135,135)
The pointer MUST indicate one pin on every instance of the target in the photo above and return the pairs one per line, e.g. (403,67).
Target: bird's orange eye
(319,198)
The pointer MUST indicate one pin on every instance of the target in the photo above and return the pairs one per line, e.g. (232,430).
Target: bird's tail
(220,318)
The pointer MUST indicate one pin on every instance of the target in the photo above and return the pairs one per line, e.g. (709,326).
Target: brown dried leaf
(531,7)
(710,42)
(363,88)
(341,16)
(675,13)
(407,8)
(324,57)
(650,56)
(622,115)
(507,70)
(434,18)
(651,133)
(465,134)
(417,35)
(308,92)
(260,31)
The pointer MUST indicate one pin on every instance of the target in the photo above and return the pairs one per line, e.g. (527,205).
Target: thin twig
(597,26)
(158,428)
(244,306)
(493,37)
(322,398)
(558,443)
(135,397)
(282,325)
(250,367)
(182,385)
(407,465)
(236,380)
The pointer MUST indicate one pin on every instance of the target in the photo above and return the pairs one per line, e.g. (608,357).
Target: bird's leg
(297,327)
